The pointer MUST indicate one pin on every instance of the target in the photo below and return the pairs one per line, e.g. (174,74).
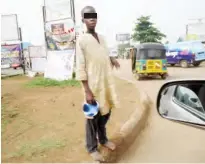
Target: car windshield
(152,54)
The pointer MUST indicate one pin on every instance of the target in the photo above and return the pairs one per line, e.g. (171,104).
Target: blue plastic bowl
(91,110)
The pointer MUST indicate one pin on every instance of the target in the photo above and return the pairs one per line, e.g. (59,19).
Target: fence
(12,59)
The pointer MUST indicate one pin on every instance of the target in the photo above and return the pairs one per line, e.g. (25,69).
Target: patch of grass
(7,116)
(31,149)
(43,82)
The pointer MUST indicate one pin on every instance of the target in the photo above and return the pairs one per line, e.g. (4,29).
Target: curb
(8,76)
(130,130)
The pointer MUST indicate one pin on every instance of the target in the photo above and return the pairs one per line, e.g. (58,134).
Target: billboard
(9,28)
(196,31)
(10,54)
(57,9)
(123,37)
(196,28)
(60,35)
(60,65)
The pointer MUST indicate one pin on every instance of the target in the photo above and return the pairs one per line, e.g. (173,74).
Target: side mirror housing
(183,101)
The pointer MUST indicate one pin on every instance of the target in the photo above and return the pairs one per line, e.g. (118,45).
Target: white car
(113,53)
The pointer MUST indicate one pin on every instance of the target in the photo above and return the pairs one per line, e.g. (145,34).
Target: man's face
(90,18)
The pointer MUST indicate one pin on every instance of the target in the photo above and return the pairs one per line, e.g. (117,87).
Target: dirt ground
(47,124)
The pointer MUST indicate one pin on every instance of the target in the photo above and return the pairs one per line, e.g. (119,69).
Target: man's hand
(88,93)
(115,63)
(89,97)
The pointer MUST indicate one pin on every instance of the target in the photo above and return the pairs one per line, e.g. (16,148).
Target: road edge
(131,129)
(9,76)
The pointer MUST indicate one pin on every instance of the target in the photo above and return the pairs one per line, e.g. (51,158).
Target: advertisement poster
(36,51)
(60,35)
(60,65)
(10,54)
(9,28)
(57,9)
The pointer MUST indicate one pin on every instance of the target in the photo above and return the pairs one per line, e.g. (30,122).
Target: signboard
(60,35)
(195,37)
(196,31)
(10,54)
(60,65)
(37,51)
(9,28)
(38,64)
(122,37)
(196,28)
(57,9)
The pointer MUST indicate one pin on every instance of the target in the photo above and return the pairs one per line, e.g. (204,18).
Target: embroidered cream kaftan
(93,64)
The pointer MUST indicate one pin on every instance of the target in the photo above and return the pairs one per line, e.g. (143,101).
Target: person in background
(94,70)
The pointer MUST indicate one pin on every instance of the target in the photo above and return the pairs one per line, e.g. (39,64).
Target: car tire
(172,65)
(196,64)
(184,64)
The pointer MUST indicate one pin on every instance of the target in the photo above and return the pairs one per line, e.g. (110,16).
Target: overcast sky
(115,16)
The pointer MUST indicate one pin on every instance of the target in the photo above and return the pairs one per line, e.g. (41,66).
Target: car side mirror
(183,101)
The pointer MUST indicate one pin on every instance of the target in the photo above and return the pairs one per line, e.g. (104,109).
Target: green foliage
(39,147)
(167,42)
(145,31)
(180,39)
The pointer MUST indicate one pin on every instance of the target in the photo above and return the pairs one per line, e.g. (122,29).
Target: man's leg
(91,140)
(101,131)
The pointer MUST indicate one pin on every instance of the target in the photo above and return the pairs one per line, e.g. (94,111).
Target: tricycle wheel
(137,77)
(163,76)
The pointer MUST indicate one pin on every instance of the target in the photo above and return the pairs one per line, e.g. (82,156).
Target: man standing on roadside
(94,70)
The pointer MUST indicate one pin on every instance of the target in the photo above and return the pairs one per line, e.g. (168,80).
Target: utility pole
(22,51)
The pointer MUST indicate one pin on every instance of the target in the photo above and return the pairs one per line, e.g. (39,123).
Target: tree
(180,39)
(167,42)
(145,31)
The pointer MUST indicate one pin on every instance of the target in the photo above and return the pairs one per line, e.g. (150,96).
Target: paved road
(163,140)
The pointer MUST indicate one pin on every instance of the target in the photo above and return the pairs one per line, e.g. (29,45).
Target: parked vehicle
(15,65)
(183,101)
(185,53)
(149,59)
(113,53)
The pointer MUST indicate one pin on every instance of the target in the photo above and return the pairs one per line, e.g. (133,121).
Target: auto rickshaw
(149,59)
